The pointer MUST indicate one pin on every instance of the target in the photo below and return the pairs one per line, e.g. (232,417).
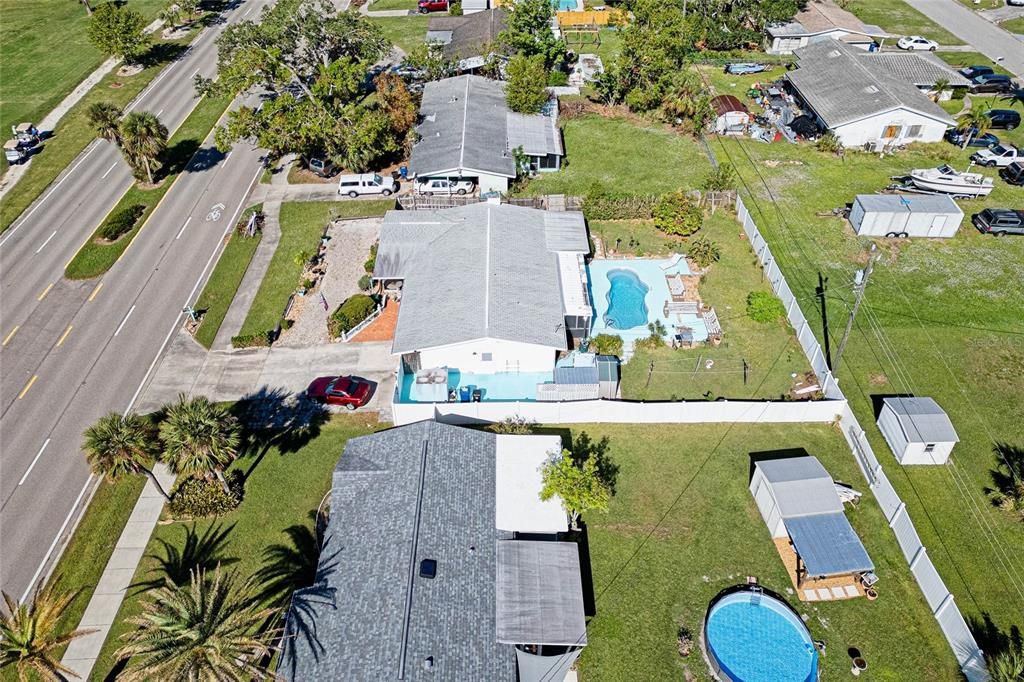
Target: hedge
(259,340)
(121,222)
(351,312)
(764,307)
(200,497)
(602,206)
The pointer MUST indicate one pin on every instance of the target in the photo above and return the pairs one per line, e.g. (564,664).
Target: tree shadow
(768,455)
(274,417)
(991,639)
(161,53)
(584,447)
(288,567)
(1007,488)
(177,156)
(198,551)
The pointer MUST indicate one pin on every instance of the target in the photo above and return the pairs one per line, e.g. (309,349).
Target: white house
(898,215)
(467,131)
(917,430)
(860,101)
(822,20)
(483,299)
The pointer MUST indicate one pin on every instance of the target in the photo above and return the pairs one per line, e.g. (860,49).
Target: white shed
(790,488)
(731,116)
(917,430)
(898,215)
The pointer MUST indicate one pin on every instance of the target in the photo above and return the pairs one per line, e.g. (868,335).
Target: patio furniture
(676,287)
(673,261)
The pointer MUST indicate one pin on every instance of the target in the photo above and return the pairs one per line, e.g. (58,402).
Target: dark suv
(999,221)
(1005,119)
(992,82)
(1014,173)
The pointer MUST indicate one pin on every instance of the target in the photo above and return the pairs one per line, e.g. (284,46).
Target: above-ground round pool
(626,307)
(754,637)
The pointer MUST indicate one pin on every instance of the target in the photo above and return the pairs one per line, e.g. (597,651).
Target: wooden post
(650,371)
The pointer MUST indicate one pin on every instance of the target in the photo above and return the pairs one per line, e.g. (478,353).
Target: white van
(366,183)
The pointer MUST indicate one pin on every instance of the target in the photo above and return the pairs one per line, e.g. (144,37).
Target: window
(914,131)
(890,132)
(486,357)
(549,162)
(929,448)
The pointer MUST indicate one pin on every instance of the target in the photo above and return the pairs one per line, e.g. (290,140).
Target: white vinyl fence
(939,598)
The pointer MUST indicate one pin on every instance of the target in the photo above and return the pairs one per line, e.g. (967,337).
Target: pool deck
(824,589)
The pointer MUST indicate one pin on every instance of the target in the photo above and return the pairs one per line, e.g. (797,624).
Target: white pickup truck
(1001,155)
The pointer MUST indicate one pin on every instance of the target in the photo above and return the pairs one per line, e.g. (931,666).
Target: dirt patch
(877,379)
(129,70)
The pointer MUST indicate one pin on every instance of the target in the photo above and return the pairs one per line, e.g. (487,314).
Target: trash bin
(477,394)
(403,172)
(464,394)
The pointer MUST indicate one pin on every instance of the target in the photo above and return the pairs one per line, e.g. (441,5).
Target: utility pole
(860,283)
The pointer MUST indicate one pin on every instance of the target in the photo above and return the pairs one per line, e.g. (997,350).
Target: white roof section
(918,203)
(518,507)
(572,273)
(801,486)
(922,420)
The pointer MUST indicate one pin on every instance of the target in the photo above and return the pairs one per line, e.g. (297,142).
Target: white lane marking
(121,326)
(24,219)
(46,557)
(30,466)
(43,245)
(159,112)
(183,228)
(202,276)
(152,85)
(194,73)
(112,166)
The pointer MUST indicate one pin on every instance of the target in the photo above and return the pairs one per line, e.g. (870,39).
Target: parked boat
(948,180)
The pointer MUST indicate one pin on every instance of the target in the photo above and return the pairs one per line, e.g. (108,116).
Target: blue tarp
(828,545)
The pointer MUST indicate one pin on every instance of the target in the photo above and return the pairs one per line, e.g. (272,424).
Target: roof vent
(872,89)
(835,53)
(428,664)
(428,568)
(453,99)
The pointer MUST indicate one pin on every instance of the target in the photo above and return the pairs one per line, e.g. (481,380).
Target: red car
(432,6)
(350,391)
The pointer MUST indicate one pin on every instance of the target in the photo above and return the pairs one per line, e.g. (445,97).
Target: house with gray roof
(469,39)
(467,131)
(424,572)
(917,430)
(860,99)
(822,20)
(487,291)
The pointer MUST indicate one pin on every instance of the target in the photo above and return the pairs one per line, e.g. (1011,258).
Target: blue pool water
(565,5)
(758,639)
(626,307)
(500,386)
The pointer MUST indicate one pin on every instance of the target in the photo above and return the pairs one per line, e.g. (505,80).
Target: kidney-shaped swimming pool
(626,307)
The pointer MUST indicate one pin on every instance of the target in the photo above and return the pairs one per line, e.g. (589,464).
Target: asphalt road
(987,38)
(72,351)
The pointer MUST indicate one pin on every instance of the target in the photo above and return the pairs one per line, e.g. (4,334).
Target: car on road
(999,221)
(1017,3)
(1001,155)
(916,43)
(992,83)
(976,70)
(1014,173)
(348,391)
(425,6)
(431,186)
(366,183)
(1003,119)
(954,136)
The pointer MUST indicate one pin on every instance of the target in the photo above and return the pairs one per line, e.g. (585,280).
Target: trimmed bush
(365,283)
(121,222)
(599,205)
(764,307)
(677,214)
(194,498)
(606,344)
(260,340)
(351,312)
(371,262)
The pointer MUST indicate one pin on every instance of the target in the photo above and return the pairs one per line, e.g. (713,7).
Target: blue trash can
(403,172)
(465,393)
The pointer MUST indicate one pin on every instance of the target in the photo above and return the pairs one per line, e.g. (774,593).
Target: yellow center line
(28,386)
(11,335)
(96,291)
(64,336)
(45,291)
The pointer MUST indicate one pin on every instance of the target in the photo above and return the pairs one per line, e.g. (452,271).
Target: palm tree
(207,630)
(1007,666)
(200,438)
(940,86)
(30,635)
(106,119)
(172,13)
(117,445)
(973,122)
(143,140)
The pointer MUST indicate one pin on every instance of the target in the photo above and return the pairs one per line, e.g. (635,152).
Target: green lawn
(682,526)
(97,256)
(608,50)
(962,59)
(383,5)
(623,156)
(1014,25)
(407,33)
(942,318)
(224,280)
(770,350)
(897,17)
(302,223)
(283,491)
(40,67)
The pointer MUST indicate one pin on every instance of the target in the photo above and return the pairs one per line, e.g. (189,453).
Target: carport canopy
(828,545)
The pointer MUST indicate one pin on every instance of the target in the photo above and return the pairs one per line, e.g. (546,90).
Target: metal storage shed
(898,215)
(917,430)
(792,487)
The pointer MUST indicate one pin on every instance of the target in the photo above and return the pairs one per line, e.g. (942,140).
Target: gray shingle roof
(539,593)
(478,271)
(463,128)
(828,545)
(842,87)
(353,625)
(537,135)
(470,34)
(922,420)
(923,70)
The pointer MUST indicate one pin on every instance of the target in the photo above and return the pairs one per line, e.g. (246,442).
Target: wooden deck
(808,589)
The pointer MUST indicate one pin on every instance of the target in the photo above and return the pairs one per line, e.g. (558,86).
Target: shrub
(558,79)
(371,262)
(351,312)
(606,344)
(260,340)
(678,214)
(200,497)
(515,426)
(720,179)
(121,222)
(455,9)
(525,88)
(656,339)
(365,283)
(829,143)
(704,252)
(599,205)
(764,307)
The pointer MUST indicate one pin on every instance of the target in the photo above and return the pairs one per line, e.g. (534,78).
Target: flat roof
(828,545)
(518,507)
(918,203)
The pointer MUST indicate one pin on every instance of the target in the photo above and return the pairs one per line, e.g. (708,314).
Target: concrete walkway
(258,266)
(995,43)
(327,191)
(1002,13)
(82,653)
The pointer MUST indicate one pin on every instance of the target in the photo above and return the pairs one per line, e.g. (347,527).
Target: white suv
(430,186)
(366,183)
